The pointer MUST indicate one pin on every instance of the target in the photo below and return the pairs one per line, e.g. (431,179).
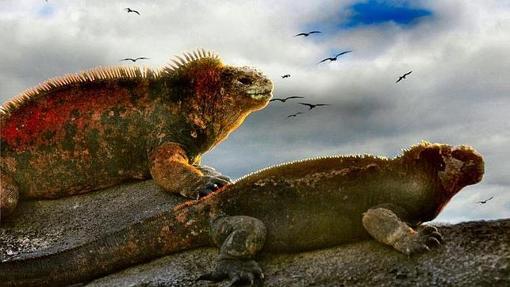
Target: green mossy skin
(110,150)
(68,141)
(320,203)
(92,141)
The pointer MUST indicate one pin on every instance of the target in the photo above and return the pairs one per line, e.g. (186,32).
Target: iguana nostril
(245,81)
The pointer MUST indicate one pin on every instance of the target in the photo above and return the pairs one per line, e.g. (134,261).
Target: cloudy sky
(458,93)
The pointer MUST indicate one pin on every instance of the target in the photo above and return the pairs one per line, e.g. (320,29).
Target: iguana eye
(245,81)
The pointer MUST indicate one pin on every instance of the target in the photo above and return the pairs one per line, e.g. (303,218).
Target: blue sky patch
(46,11)
(374,12)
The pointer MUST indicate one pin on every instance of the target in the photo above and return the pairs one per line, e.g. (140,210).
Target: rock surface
(49,226)
(474,253)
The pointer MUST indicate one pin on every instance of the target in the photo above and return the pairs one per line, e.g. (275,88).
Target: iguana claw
(211,184)
(426,238)
(237,271)
(212,180)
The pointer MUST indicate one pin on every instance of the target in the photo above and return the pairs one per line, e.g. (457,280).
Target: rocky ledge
(474,253)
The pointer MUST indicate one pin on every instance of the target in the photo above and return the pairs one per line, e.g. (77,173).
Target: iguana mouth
(260,95)
(262,91)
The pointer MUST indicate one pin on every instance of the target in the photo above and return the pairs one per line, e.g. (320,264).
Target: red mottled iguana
(297,206)
(94,129)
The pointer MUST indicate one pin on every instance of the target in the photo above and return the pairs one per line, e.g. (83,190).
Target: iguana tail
(148,239)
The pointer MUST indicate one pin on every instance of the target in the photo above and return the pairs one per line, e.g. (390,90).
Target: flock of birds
(330,59)
(282,100)
(285,76)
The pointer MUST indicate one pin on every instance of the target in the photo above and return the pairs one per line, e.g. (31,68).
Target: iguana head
(456,167)
(248,87)
(216,98)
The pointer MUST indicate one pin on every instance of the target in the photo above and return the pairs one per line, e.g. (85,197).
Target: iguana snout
(463,166)
(253,86)
(473,165)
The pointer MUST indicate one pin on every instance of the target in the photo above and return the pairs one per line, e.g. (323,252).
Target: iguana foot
(210,184)
(239,238)
(422,240)
(237,271)
(385,226)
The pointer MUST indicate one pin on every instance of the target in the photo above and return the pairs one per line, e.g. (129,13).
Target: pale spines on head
(178,62)
(466,148)
(413,152)
(188,58)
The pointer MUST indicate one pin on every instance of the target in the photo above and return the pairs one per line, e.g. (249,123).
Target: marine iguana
(86,131)
(292,207)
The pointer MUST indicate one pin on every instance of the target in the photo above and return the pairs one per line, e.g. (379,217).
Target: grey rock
(474,253)
(44,227)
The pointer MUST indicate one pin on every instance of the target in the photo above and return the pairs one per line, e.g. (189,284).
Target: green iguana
(297,206)
(94,129)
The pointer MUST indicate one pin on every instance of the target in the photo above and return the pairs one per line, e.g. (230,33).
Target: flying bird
(129,10)
(331,59)
(403,76)
(294,115)
(312,106)
(285,99)
(135,59)
(286,76)
(306,34)
(485,201)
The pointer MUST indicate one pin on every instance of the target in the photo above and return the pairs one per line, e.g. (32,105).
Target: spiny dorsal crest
(92,75)
(413,152)
(340,156)
(99,74)
(179,63)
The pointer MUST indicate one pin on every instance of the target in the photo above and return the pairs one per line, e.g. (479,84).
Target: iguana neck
(205,119)
(431,198)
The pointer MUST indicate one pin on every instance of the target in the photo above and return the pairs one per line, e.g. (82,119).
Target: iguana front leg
(386,227)
(170,168)
(239,239)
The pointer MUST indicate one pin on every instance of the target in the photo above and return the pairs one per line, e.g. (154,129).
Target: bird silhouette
(129,10)
(294,115)
(135,59)
(313,106)
(286,76)
(331,59)
(403,76)
(306,34)
(283,100)
(485,201)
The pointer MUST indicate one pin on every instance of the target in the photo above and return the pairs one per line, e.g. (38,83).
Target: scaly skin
(95,129)
(292,207)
